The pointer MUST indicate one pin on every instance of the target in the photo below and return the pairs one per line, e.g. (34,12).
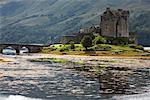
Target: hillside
(36,21)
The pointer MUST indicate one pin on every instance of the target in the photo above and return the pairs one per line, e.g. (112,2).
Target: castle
(114,24)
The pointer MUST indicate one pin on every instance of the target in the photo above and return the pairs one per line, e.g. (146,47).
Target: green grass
(100,49)
(80,62)
(2,60)
(62,48)
(51,60)
(57,60)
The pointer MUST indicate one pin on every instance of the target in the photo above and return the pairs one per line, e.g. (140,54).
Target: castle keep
(115,23)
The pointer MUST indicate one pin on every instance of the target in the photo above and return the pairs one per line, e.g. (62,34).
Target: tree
(72,45)
(120,41)
(86,42)
(99,40)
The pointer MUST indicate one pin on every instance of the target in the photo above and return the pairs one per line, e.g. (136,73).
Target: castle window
(119,34)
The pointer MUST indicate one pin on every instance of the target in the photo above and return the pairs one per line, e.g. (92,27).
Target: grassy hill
(36,21)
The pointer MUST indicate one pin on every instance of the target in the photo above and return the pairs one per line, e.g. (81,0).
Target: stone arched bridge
(33,48)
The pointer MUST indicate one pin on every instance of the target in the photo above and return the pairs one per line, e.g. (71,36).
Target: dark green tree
(120,41)
(72,45)
(99,40)
(86,42)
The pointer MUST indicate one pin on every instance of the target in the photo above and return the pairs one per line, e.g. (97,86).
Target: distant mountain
(36,21)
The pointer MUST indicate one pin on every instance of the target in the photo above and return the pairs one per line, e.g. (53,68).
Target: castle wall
(115,23)
(122,28)
(68,39)
(108,28)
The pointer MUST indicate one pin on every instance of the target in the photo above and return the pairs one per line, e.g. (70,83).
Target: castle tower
(115,23)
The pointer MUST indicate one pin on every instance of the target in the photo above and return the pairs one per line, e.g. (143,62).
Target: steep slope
(35,21)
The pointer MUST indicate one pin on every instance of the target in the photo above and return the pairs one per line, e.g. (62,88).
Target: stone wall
(67,39)
(115,23)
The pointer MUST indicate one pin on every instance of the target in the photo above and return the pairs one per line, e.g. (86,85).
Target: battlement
(115,13)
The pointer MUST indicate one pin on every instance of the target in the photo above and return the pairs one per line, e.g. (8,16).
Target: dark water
(53,81)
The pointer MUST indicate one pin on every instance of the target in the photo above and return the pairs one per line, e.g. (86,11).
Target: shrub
(61,50)
(120,41)
(132,45)
(107,48)
(86,42)
(136,46)
(64,49)
(102,48)
(72,46)
(118,51)
(53,49)
(99,40)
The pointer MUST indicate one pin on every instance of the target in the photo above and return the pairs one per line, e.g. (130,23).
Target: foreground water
(25,80)
(146,48)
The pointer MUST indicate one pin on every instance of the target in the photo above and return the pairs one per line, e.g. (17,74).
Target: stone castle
(114,24)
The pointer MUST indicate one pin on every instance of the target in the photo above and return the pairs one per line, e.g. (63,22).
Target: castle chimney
(108,9)
(101,18)
(120,10)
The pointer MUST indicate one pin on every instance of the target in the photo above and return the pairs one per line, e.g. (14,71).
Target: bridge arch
(8,49)
(15,49)
(24,49)
(31,48)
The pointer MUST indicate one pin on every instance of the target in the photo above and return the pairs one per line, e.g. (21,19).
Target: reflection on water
(145,96)
(50,81)
(122,82)
(114,82)
(15,97)
(11,51)
(53,81)
(146,48)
